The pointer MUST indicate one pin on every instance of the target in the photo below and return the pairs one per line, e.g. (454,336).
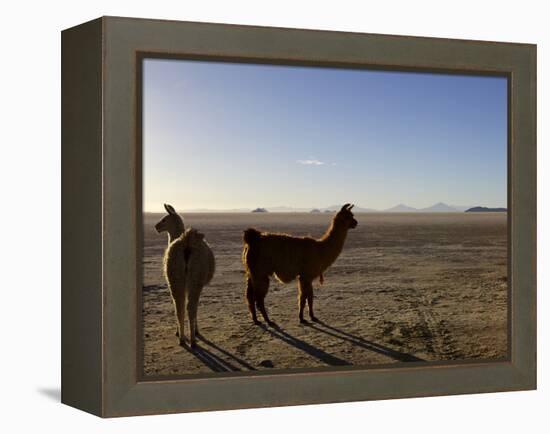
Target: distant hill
(461,208)
(401,208)
(439,207)
(485,209)
(315,211)
(259,210)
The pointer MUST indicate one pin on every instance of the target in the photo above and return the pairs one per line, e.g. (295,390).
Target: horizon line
(290,209)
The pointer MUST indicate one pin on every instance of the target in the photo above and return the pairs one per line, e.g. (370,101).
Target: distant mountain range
(439,207)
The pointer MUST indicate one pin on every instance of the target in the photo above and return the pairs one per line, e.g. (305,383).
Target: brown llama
(288,257)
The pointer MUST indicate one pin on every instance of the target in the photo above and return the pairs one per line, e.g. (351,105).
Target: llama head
(345,217)
(171,223)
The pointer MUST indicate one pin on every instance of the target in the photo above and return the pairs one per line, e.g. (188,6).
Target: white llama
(188,266)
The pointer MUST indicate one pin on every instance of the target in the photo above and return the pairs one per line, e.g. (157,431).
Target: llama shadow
(212,360)
(227,353)
(324,357)
(363,343)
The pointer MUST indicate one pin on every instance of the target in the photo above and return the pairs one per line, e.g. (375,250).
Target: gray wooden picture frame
(101,192)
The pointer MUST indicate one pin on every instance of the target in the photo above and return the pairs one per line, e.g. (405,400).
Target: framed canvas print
(259,216)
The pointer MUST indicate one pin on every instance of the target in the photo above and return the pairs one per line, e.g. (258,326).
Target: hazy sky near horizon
(227,135)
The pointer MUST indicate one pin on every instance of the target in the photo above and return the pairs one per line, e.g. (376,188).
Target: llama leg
(304,289)
(301,305)
(251,301)
(192,308)
(177,316)
(197,333)
(310,306)
(261,307)
(262,287)
(175,303)
(180,314)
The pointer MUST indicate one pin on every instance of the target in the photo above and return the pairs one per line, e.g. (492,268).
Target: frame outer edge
(529,336)
(524,222)
(81,207)
(123,395)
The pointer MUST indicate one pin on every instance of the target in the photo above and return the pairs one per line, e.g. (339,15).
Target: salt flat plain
(407,287)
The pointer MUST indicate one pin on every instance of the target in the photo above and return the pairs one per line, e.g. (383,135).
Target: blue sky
(227,135)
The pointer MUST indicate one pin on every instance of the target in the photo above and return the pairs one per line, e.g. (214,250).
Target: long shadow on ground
(227,353)
(218,363)
(324,357)
(214,361)
(363,343)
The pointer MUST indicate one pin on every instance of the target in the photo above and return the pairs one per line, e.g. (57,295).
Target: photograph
(310,217)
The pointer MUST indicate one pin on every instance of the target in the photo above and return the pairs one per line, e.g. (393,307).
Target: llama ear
(345,207)
(349,209)
(169,209)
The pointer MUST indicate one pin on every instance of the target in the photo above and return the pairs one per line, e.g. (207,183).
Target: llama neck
(333,243)
(175,232)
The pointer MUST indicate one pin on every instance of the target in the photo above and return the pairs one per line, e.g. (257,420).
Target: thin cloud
(311,162)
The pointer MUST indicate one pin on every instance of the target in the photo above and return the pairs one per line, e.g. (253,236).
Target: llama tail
(251,236)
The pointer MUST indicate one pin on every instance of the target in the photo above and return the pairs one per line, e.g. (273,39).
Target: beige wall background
(30,196)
